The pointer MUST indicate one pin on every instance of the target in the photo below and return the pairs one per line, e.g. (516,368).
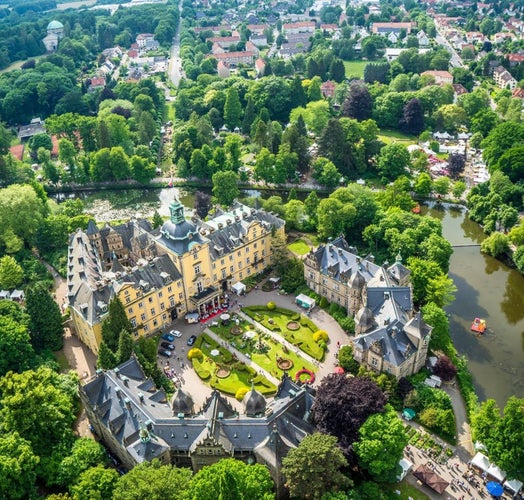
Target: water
(488,289)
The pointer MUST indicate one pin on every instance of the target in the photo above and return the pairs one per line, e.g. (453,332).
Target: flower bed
(293,326)
(223,372)
(305,376)
(285,364)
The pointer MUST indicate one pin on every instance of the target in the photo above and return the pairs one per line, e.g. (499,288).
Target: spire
(398,258)
(176,209)
(116,267)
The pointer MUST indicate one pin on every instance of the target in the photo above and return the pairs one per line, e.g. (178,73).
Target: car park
(191,340)
(175,333)
(168,346)
(168,337)
(165,353)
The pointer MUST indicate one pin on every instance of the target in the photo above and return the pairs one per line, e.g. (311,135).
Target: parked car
(168,346)
(168,337)
(191,340)
(165,353)
(175,333)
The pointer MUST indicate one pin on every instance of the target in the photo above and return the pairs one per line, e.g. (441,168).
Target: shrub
(322,345)
(241,392)
(201,371)
(271,306)
(320,335)
(195,353)
(346,359)
(323,303)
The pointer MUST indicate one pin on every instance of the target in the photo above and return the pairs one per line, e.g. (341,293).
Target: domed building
(55,33)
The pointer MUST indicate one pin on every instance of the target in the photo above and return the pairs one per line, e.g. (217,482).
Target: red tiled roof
(17,151)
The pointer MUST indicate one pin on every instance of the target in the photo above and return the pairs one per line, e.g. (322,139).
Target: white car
(176,333)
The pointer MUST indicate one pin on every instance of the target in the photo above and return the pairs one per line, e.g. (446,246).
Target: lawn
(277,321)
(406,490)
(241,375)
(265,358)
(388,136)
(355,68)
(299,247)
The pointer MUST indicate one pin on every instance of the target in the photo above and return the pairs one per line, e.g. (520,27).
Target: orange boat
(478,325)
(416,209)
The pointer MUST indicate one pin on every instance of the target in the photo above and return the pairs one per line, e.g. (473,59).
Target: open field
(355,68)
(389,136)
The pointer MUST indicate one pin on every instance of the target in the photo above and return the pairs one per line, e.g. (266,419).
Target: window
(178,284)
(146,328)
(141,305)
(172,301)
(195,255)
(239,253)
(374,361)
(231,269)
(162,306)
(197,269)
(128,300)
(142,317)
(160,294)
(153,311)
(180,296)
(241,274)
(164,317)
(200,287)
(215,277)
(311,276)
(223,273)
(247,260)
(324,281)
(150,299)
(214,265)
(126,292)
(130,310)
(169,289)
(133,322)
(247,249)
(248,271)
(222,262)
(262,242)
(256,256)
(254,245)
(155,322)
(230,258)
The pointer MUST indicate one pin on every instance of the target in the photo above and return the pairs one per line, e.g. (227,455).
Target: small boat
(416,209)
(478,325)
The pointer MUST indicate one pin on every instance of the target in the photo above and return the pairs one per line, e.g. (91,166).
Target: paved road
(175,63)
(464,442)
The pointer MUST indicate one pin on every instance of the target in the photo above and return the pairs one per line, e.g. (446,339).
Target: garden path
(242,357)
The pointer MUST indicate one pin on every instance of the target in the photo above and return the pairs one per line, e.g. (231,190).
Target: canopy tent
(496,473)
(495,489)
(275,281)
(431,478)
(406,467)
(339,370)
(481,461)
(239,288)
(305,301)
(408,413)
(513,485)
(191,317)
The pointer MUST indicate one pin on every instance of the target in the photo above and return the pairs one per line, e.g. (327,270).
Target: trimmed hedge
(201,371)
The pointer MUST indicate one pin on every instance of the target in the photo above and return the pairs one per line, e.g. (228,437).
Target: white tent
(496,473)
(239,288)
(481,461)
(513,485)
(305,301)
(406,467)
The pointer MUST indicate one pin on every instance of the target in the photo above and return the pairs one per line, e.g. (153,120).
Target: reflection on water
(486,288)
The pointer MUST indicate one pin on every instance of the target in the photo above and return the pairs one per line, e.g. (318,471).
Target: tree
(441,185)
(232,108)
(292,276)
(229,479)
(423,185)
(114,323)
(264,165)
(97,482)
(485,420)
(142,169)
(11,273)
(456,164)
(381,445)
(45,325)
(450,117)
(202,204)
(393,161)
(85,453)
(106,357)
(343,404)
(500,140)
(495,245)
(41,140)
(41,406)
(18,469)
(434,316)
(346,359)
(359,102)
(412,121)
(444,368)
(438,419)
(458,189)
(225,187)
(314,467)
(125,347)
(16,352)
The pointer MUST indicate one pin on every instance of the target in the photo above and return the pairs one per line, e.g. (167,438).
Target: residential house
(223,69)
(251,47)
(386,28)
(260,67)
(328,89)
(36,126)
(515,58)
(503,78)
(225,41)
(236,58)
(143,38)
(423,40)
(441,77)
(392,37)
(475,37)
(299,27)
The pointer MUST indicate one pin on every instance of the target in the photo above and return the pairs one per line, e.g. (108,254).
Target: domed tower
(356,284)
(182,403)
(181,233)
(364,320)
(254,403)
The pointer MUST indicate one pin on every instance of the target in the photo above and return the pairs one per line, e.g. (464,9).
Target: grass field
(406,490)
(355,68)
(299,247)
(389,136)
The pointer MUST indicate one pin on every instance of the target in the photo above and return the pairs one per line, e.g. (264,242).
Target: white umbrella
(250,334)
(215,352)
(225,317)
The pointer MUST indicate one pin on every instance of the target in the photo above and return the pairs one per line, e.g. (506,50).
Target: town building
(55,33)
(386,28)
(139,423)
(389,338)
(503,78)
(236,58)
(185,266)
(441,77)
(298,27)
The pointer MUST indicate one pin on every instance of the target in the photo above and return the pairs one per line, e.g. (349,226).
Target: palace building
(138,422)
(185,266)
(389,336)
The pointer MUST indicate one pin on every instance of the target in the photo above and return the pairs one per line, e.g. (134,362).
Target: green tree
(423,185)
(485,420)
(231,479)
(232,108)
(157,220)
(97,483)
(233,150)
(381,445)
(16,352)
(106,357)
(85,453)
(18,469)
(45,325)
(264,166)
(314,467)
(495,245)
(114,323)
(458,189)
(346,359)
(434,316)
(294,214)
(11,273)
(442,185)
(249,115)
(142,169)
(438,419)
(125,347)
(225,187)
(393,161)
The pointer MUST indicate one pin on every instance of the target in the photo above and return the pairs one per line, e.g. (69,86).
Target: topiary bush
(241,392)
(271,306)
(320,335)
(195,353)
